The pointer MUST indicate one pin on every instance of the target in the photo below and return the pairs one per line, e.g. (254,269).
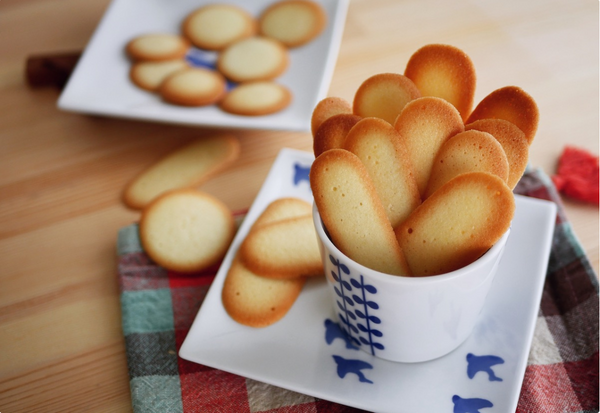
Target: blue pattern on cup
(356,306)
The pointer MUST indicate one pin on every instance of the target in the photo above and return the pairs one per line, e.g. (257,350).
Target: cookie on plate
(193,87)
(149,75)
(216,26)
(255,58)
(186,230)
(283,249)
(257,301)
(283,208)
(293,22)
(157,47)
(257,98)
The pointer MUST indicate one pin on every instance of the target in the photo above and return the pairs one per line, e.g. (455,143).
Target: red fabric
(577,175)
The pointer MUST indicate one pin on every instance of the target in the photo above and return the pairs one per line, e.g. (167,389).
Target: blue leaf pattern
(356,302)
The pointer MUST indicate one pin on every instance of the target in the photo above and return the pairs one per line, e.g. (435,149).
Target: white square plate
(294,353)
(100,83)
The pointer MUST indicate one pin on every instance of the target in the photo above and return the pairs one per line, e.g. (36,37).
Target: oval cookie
(510,103)
(186,230)
(469,151)
(185,167)
(293,22)
(257,301)
(446,72)
(513,141)
(283,208)
(255,58)
(157,47)
(384,96)
(353,214)
(457,224)
(378,146)
(150,75)
(193,87)
(332,133)
(256,99)
(283,249)
(216,26)
(424,125)
(327,108)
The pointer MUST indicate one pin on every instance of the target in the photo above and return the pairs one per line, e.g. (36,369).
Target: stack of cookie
(272,264)
(252,53)
(408,179)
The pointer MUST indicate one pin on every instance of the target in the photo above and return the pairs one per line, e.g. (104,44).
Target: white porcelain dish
(302,352)
(100,82)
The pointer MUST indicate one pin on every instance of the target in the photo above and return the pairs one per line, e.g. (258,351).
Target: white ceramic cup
(406,319)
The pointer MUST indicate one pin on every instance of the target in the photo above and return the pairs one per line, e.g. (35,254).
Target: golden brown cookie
(510,103)
(186,230)
(193,87)
(378,146)
(332,132)
(457,224)
(424,125)
(327,108)
(352,213)
(384,96)
(157,47)
(216,26)
(257,301)
(255,58)
(283,249)
(257,99)
(186,167)
(446,72)
(513,141)
(293,22)
(469,151)
(149,75)
(283,208)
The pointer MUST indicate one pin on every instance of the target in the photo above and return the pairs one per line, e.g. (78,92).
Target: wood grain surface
(62,174)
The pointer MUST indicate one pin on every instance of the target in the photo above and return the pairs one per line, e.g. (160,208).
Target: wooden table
(61,174)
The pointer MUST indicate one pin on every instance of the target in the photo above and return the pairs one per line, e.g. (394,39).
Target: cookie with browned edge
(457,224)
(446,72)
(186,230)
(216,26)
(185,167)
(352,213)
(293,22)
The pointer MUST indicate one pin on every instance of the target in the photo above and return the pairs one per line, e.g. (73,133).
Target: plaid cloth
(159,306)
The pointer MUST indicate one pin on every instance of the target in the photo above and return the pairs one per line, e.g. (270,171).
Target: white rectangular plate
(100,83)
(295,354)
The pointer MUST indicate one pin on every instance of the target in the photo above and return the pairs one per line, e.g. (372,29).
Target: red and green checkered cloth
(158,308)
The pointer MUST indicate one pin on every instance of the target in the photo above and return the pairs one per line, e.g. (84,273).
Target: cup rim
(489,255)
